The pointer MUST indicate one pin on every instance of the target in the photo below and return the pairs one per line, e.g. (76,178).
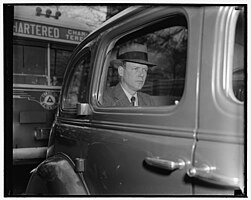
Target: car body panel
(221,120)
(124,148)
(108,158)
(112,133)
(121,162)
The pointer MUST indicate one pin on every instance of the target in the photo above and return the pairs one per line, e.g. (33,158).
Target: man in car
(132,65)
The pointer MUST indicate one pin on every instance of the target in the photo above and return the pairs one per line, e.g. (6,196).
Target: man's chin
(139,88)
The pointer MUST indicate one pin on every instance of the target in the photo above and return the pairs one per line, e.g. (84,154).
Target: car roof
(123,15)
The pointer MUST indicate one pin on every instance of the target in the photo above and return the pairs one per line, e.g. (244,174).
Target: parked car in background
(192,143)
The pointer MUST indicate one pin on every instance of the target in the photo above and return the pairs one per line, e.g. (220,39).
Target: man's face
(133,76)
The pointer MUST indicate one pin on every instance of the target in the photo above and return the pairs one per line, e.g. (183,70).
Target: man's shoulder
(144,95)
(109,93)
(113,91)
(112,94)
(146,99)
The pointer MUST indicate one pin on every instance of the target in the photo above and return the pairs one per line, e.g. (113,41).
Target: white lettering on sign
(43,30)
(32,29)
(79,33)
(75,35)
(26,28)
(36,29)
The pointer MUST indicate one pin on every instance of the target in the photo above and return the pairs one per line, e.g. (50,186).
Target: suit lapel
(141,101)
(120,97)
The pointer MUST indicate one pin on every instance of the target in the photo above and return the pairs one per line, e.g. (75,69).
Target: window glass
(166,43)
(77,90)
(238,63)
(59,60)
(29,64)
(18,59)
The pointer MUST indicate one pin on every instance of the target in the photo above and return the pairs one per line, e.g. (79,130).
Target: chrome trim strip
(222,137)
(197,99)
(210,136)
(29,153)
(38,87)
(127,127)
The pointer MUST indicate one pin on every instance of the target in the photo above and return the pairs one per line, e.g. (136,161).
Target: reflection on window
(167,48)
(29,65)
(78,86)
(59,60)
(238,63)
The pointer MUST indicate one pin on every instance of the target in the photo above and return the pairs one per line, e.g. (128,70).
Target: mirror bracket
(83,109)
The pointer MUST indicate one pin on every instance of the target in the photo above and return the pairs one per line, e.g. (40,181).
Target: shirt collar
(129,96)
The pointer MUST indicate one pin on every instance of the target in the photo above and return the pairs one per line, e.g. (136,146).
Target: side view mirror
(83,109)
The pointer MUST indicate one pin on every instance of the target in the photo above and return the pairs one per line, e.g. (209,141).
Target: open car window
(166,42)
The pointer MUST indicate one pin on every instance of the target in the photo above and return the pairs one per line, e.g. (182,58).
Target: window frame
(109,40)
(232,37)
(56,58)
(48,45)
(35,45)
(77,59)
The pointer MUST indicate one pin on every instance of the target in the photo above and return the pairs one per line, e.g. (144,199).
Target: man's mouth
(139,81)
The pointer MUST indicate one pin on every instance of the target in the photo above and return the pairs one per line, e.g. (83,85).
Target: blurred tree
(113,10)
(171,42)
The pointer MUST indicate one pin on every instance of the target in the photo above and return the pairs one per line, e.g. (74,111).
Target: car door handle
(206,174)
(165,164)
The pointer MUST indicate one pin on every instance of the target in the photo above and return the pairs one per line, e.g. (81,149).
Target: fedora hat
(136,53)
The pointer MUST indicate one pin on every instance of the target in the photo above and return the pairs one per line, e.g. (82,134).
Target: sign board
(45,31)
(49,100)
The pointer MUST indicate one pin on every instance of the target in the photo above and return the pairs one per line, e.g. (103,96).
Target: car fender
(56,176)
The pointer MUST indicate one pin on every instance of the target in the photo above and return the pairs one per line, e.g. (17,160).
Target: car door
(68,130)
(219,165)
(147,150)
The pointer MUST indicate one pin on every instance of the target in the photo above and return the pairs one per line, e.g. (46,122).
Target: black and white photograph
(125,100)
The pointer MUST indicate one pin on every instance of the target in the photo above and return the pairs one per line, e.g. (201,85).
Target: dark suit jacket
(115,96)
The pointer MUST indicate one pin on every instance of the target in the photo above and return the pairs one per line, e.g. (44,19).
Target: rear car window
(78,84)
(238,62)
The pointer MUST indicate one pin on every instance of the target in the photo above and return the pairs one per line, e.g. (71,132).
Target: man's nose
(142,73)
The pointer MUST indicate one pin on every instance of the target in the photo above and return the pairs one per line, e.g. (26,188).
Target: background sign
(48,31)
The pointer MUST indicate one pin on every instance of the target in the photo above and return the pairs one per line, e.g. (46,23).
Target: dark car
(191,143)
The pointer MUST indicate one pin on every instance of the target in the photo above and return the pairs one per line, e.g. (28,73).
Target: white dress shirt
(129,96)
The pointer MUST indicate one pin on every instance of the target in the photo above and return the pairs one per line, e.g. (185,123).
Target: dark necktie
(133,99)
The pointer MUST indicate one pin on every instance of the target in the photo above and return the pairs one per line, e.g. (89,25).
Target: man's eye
(137,69)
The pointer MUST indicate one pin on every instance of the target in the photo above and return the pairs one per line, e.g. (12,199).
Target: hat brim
(133,61)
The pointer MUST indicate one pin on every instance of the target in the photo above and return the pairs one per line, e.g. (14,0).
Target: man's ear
(121,70)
